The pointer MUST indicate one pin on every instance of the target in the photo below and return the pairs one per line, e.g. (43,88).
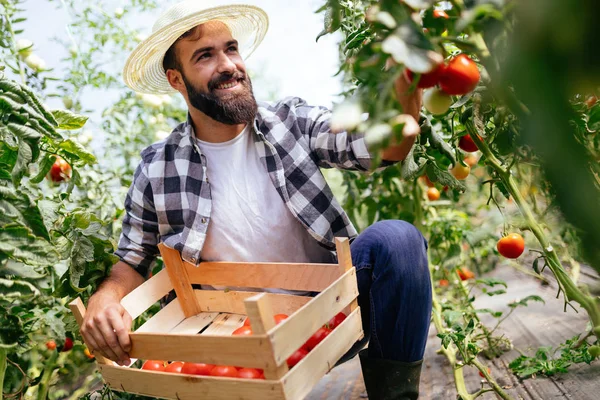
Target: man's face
(214,75)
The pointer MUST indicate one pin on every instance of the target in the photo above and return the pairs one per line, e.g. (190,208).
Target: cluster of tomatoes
(246,373)
(68,345)
(456,78)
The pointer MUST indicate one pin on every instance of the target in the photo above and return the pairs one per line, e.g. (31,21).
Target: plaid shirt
(169,199)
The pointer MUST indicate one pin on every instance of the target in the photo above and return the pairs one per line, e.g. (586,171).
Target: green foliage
(550,361)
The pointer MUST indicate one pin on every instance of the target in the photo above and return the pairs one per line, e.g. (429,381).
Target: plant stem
(571,291)
(46,376)
(450,354)
(3,354)
(14,46)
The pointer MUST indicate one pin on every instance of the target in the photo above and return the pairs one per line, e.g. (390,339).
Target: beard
(230,108)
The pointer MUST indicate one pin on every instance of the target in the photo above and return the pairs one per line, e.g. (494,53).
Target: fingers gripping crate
(172,334)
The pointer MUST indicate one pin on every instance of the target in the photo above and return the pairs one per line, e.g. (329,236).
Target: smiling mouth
(228,85)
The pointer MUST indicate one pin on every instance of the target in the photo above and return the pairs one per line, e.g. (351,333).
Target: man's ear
(175,80)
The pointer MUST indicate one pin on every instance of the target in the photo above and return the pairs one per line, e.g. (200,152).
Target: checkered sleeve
(333,150)
(139,238)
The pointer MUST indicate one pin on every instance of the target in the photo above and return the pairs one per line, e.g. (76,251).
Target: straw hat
(143,70)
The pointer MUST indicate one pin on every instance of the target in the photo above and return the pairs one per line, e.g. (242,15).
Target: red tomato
(444,282)
(591,101)
(243,330)
(427,80)
(68,344)
(440,14)
(433,194)
(460,76)
(465,273)
(296,357)
(467,144)
(489,371)
(511,246)
(250,373)
(335,321)
(224,370)
(51,345)
(154,365)
(60,170)
(175,367)
(279,318)
(196,368)
(316,338)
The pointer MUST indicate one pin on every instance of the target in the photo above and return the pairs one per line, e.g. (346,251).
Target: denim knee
(386,240)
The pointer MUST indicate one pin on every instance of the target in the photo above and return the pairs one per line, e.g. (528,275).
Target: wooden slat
(180,280)
(262,320)
(78,310)
(224,324)
(164,320)
(233,301)
(289,276)
(307,373)
(194,324)
(292,333)
(245,351)
(148,293)
(342,246)
(189,387)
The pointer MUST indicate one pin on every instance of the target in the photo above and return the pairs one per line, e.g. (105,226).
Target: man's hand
(106,323)
(411,104)
(106,327)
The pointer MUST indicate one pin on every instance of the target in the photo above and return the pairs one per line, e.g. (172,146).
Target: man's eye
(203,56)
(233,48)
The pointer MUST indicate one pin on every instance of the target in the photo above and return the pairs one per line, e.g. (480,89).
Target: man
(240,181)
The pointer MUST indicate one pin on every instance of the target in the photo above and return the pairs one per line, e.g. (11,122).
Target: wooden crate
(172,334)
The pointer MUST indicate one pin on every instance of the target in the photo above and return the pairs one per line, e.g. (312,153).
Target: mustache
(240,76)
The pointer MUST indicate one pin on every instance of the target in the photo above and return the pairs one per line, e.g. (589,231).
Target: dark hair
(171,61)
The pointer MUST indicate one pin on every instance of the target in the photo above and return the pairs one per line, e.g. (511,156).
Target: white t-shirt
(249,220)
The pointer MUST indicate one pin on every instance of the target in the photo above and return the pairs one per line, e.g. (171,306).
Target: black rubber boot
(390,379)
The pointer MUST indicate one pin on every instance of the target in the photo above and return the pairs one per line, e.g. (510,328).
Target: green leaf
(594,119)
(22,209)
(81,253)
(68,120)
(78,151)
(24,132)
(444,178)
(408,45)
(523,302)
(491,282)
(411,169)
(44,167)
(24,158)
(20,244)
(16,288)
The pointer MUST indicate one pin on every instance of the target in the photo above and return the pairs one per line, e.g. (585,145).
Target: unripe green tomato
(436,101)
(594,351)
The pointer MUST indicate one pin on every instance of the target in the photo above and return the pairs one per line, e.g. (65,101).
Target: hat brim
(143,71)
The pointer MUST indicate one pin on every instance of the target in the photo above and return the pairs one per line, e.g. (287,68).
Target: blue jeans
(394,291)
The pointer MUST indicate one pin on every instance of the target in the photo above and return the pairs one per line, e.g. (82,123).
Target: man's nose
(226,65)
